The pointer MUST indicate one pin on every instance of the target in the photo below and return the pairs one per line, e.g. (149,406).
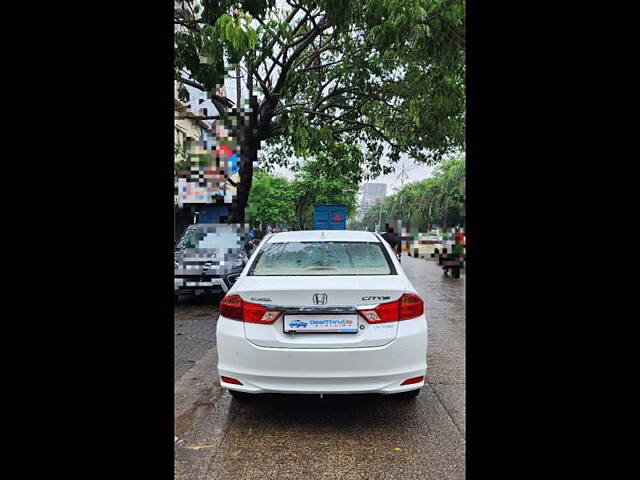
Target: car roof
(324,235)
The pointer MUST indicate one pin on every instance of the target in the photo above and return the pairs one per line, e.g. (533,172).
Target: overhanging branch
(218,98)
(322,26)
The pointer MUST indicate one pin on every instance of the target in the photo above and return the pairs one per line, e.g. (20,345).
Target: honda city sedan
(322,312)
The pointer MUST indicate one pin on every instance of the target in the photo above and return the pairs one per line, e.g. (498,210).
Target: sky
(414,172)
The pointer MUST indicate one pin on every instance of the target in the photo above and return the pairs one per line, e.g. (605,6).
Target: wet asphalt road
(347,437)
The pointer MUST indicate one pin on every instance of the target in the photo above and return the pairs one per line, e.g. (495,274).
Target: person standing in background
(391,238)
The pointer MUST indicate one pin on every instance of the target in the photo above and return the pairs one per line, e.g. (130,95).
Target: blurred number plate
(321,323)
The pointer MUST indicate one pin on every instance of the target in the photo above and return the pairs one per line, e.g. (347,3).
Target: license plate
(321,323)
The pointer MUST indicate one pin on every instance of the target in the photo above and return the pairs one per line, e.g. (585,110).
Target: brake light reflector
(232,306)
(412,380)
(230,380)
(405,308)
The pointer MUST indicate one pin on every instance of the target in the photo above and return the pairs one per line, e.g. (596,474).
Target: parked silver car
(209,257)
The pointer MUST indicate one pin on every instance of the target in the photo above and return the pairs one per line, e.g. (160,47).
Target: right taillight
(405,308)
(411,306)
(233,306)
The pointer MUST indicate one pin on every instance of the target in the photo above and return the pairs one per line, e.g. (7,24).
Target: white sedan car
(322,312)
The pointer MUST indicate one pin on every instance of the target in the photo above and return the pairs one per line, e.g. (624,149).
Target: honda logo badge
(320,298)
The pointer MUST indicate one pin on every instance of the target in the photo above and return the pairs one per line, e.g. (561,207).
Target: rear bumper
(330,371)
(185,284)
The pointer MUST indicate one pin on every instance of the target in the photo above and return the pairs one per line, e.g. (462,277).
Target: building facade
(371,193)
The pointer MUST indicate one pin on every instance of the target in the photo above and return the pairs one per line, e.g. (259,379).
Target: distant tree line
(437,200)
(276,200)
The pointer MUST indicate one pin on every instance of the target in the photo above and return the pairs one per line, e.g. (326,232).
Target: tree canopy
(385,76)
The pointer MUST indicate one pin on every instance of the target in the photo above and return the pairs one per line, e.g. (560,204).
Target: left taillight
(405,308)
(233,306)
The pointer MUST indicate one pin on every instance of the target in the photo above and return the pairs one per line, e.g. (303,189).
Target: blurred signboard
(211,171)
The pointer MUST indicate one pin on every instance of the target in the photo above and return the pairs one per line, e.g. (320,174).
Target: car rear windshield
(322,258)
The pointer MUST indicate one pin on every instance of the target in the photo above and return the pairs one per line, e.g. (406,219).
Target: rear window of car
(322,258)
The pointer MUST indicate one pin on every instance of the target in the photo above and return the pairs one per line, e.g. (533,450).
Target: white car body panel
(375,360)
(299,291)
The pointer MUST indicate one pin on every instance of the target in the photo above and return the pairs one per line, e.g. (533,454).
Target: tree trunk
(444,220)
(300,209)
(249,154)
(255,127)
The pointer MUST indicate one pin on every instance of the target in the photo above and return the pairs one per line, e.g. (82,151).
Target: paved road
(347,437)
(195,330)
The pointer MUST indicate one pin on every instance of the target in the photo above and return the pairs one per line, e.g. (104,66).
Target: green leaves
(386,78)
(236,34)
(271,200)
(252,38)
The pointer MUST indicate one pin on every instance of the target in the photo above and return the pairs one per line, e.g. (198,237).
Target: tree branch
(357,107)
(191,26)
(322,25)
(219,98)
(359,124)
(269,47)
(315,67)
(319,99)
(263,85)
(333,93)
(200,117)
(307,59)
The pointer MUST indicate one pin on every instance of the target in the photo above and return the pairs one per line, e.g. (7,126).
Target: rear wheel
(408,395)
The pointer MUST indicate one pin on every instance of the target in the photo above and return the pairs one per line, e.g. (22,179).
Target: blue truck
(212,213)
(329,217)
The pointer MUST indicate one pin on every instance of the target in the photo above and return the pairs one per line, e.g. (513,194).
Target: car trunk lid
(321,298)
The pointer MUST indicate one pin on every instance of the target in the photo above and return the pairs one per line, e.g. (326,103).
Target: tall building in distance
(371,192)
